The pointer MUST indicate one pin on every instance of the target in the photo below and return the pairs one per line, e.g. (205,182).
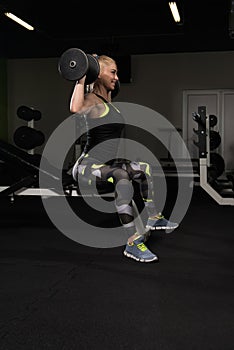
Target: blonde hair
(105,61)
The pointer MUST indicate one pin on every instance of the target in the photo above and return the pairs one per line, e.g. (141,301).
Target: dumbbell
(28,138)
(74,64)
(28,114)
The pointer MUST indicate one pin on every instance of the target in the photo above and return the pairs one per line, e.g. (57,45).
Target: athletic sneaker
(161,224)
(139,252)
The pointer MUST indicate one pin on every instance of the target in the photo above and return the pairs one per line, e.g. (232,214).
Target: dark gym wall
(158,82)
(3,101)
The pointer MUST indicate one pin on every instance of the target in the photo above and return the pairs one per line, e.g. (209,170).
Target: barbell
(74,64)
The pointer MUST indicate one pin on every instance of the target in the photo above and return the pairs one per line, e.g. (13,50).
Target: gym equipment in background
(212,165)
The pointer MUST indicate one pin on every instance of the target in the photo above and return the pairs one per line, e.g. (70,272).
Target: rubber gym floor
(57,294)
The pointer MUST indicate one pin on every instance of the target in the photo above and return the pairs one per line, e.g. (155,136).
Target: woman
(105,124)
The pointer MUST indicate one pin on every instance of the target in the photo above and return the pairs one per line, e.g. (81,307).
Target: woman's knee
(120,174)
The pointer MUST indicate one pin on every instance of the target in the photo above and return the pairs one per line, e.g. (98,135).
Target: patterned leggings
(122,176)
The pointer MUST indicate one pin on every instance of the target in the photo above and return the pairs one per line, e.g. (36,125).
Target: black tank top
(107,127)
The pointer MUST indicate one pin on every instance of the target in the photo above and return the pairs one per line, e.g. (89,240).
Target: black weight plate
(25,113)
(93,70)
(73,64)
(217,166)
(215,139)
(28,138)
(213,120)
(36,115)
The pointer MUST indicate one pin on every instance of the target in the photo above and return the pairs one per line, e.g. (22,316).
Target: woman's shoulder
(92,98)
(95,106)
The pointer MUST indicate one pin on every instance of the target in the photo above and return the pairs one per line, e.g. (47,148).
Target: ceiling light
(174,11)
(19,21)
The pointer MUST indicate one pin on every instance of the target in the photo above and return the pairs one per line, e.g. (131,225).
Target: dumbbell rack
(225,197)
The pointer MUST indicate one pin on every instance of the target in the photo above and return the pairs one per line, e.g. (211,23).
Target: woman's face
(108,75)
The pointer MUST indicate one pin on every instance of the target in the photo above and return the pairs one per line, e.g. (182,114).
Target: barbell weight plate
(213,120)
(93,69)
(215,139)
(73,64)
(217,166)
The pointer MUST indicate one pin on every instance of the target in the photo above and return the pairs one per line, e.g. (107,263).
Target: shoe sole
(161,227)
(140,260)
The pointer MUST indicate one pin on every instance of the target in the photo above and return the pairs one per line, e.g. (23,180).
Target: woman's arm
(77,98)
(80,103)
